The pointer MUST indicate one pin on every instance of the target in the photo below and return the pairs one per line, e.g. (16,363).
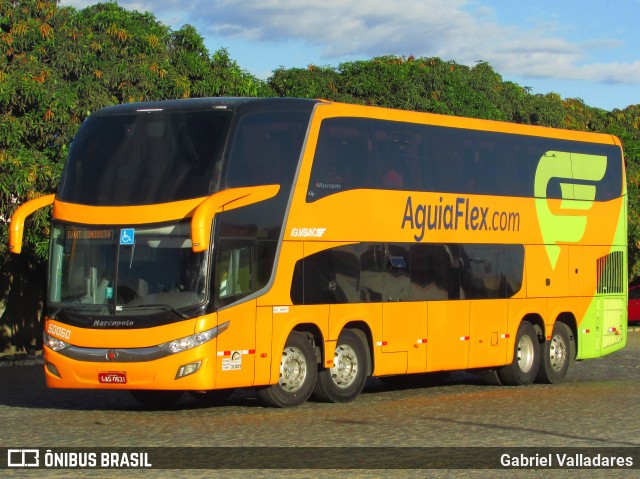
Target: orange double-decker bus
(301,246)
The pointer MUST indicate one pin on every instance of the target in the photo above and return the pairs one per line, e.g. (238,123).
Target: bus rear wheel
(344,381)
(298,372)
(556,355)
(526,358)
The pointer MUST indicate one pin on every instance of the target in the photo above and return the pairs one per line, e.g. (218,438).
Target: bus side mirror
(223,201)
(16,228)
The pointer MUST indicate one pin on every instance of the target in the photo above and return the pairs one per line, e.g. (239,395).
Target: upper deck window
(266,148)
(145,157)
(357,153)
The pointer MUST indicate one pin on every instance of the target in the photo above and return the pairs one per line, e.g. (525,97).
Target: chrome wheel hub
(345,368)
(526,354)
(293,369)
(558,353)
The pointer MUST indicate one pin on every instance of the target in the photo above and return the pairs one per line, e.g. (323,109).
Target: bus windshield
(145,157)
(125,271)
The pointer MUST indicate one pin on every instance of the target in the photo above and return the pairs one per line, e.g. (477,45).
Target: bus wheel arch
(344,380)
(538,324)
(297,373)
(570,321)
(558,352)
(526,355)
(314,335)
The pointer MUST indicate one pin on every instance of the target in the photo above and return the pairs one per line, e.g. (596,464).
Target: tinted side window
(343,158)
(145,158)
(327,277)
(371,272)
(398,152)
(266,148)
(371,259)
(364,153)
(435,272)
(491,271)
(234,270)
(396,281)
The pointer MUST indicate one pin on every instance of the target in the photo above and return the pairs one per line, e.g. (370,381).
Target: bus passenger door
(404,332)
(488,337)
(448,346)
(404,323)
(435,283)
(490,274)
(236,348)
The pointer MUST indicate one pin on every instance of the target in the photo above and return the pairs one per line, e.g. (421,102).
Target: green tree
(312,82)
(433,85)
(626,125)
(57,65)
(33,111)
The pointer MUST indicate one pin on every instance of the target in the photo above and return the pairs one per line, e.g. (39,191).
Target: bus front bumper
(99,368)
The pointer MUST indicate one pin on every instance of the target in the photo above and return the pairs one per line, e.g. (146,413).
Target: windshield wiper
(167,307)
(81,307)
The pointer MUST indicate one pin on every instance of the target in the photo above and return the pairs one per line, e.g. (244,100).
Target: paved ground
(595,407)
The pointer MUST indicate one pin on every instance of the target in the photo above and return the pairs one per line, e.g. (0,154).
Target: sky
(587,49)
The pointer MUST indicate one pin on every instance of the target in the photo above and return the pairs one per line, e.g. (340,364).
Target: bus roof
(191,104)
(452,121)
(346,109)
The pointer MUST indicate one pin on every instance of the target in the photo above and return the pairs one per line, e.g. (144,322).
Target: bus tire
(344,381)
(526,358)
(556,355)
(298,372)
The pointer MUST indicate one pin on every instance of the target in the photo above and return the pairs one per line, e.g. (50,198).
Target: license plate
(112,377)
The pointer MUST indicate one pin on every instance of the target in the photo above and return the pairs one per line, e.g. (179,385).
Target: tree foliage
(422,84)
(433,85)
(59,64)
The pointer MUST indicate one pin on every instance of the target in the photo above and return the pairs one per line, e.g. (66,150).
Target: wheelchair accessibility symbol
(127,236)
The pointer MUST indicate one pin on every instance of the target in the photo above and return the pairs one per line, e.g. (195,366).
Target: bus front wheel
(556,355)
(344,381)
(298,371)
(526,358)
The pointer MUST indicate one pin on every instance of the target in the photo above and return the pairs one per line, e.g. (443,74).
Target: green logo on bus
(575,168)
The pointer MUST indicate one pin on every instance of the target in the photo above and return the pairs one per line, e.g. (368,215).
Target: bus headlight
(187,369)
(54,344)
(188,342)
